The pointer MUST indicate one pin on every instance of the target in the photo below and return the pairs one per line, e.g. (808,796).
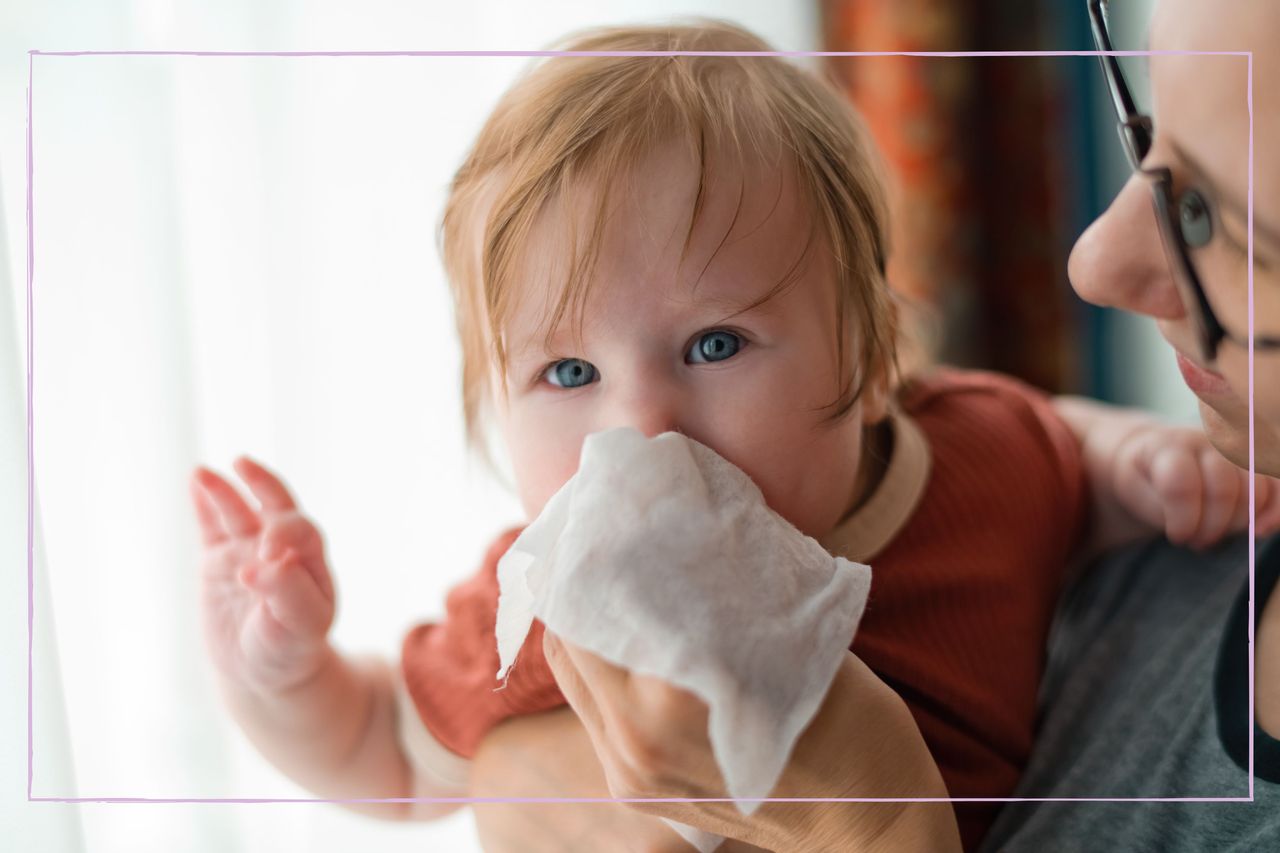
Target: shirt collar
(866,531)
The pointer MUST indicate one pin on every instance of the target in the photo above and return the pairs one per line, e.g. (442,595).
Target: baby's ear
(875,398)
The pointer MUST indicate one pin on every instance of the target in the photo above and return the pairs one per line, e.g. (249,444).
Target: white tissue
(662,557)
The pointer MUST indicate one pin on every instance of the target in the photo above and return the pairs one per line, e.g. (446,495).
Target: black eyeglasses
(1185,221)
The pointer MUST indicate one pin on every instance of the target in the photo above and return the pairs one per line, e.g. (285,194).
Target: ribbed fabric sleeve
(450,668)
(962,599)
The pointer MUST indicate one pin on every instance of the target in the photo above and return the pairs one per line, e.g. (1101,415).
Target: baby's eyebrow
(715,310)
(538,346)
(527,349)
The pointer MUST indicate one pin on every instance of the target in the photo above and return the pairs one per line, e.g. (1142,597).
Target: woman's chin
(1229,433)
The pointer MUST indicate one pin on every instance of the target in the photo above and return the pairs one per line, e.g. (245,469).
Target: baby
(698,244)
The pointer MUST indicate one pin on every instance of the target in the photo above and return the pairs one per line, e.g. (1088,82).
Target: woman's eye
(714,346)
(571,373)
(1194,220)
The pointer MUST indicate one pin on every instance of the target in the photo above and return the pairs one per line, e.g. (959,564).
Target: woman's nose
(1119,260)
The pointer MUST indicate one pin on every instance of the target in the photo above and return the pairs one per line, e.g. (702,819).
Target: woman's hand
(550,755)
(651,740)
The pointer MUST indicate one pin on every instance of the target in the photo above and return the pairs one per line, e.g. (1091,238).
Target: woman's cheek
(1233,364)
(1266,366)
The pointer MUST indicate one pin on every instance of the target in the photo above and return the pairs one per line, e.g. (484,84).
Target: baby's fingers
(1176,479)
(291,596)
(1225,495)
(266,486)
(238,519)
(1266,504)
(294,532)
(211,530)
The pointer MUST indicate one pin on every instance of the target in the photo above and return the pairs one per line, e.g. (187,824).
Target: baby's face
(658,356)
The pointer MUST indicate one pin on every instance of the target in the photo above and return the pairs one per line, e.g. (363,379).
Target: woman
(1147,690)
(1166,628)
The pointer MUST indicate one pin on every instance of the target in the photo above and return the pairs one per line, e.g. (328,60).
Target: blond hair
(587,120)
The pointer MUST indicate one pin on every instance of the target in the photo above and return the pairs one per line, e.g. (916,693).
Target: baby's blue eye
(571,373)
(715,346)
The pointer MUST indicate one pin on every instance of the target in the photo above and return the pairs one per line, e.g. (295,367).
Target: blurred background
(237,254)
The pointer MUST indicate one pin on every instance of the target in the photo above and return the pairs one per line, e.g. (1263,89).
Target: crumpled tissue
(662,557)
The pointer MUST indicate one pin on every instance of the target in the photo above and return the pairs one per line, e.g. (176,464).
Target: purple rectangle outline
(31,54)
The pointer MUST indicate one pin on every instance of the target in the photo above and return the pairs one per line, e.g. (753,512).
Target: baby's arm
(327,722)
(1149,477)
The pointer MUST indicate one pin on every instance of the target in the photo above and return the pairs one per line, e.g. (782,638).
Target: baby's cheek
(770,453)
(543,470)
(807,470)
(544,451)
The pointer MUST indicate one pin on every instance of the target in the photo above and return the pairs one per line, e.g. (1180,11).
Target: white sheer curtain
(237,255)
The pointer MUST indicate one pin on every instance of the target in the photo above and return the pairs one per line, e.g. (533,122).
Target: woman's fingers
(237,517)
(575,690)
(570,682)
(595,670)
(649,734)
(265,485)
(671,707)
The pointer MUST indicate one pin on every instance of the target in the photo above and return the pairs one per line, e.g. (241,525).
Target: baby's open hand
(268,597)
(1173,479)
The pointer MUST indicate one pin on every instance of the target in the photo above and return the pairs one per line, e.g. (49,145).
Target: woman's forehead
(1236,26)
(1201,103)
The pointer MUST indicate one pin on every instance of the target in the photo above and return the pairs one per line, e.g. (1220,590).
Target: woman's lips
(1199,379)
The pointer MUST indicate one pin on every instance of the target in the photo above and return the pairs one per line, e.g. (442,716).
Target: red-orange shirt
(960,603)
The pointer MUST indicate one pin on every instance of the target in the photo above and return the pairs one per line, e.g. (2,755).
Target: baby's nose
(652,411)
(652,421)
